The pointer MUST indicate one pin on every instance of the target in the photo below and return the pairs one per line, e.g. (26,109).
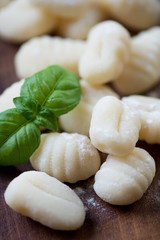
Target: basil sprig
(44,96)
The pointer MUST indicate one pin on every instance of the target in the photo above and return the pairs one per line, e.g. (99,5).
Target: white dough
(78,120)
(114,126)
(136,14)
(46,200)
(40,52)
(6,98)
(107,51)
(148,110)
(142,71)
(123,180)
(68,157)
(20,21)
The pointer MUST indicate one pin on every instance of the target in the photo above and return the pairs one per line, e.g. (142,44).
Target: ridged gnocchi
(40,52)
(6,98)
(114,127)
(107,51)
(142,71)
(137,14)
(78,120)
(67,157)
(123,180)
(46,200)
(20,21)
(148,110)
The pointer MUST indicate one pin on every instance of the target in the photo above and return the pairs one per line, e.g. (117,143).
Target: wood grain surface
(139,221)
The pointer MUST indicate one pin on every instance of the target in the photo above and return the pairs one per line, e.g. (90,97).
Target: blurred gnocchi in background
(21,20)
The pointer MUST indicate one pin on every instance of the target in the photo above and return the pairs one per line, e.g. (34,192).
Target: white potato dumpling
(148,109)
(78,120)
(136,14)
(20,21)
(6,98)
(142,71)
(79,28)
(114,127)
(45,200)
(107,51)
(67,157)
(41,52)
(64,8)
(124,180)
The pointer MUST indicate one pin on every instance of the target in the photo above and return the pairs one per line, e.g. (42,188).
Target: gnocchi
(20,21)
(107,51)
(64,8)
(46,200)
(123,180)
(67,157)
(142,71)
(40,52)
(137,14)
(148,109)
(79,28)
(114,127)
(6,98)
(78,120)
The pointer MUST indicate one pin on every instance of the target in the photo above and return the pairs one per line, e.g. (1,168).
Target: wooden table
(139,221)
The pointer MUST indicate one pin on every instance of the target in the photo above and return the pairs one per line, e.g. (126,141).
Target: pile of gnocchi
(115,70)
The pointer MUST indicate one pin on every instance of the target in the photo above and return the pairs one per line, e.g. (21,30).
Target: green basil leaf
(54,88)
(19,138)
(47,119)
(27,106)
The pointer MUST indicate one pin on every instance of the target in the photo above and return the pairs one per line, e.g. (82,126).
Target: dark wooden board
(139,221)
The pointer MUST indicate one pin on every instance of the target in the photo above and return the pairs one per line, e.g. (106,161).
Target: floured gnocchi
(78,120)
(46,200)
(142,71)
(123,180)
(98,51)
(68,157)
(114,127)
(148,110)
(107,50)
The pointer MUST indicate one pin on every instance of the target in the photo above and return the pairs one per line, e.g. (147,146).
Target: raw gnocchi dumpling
(64,8)
(142,70)
(6,98)
(114,126)
(40,52)
(78,120)
(67,157)
(123,180)
(20,21)
(79,28)
(137,14)
(107,51)
(148,109)
(45,200)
